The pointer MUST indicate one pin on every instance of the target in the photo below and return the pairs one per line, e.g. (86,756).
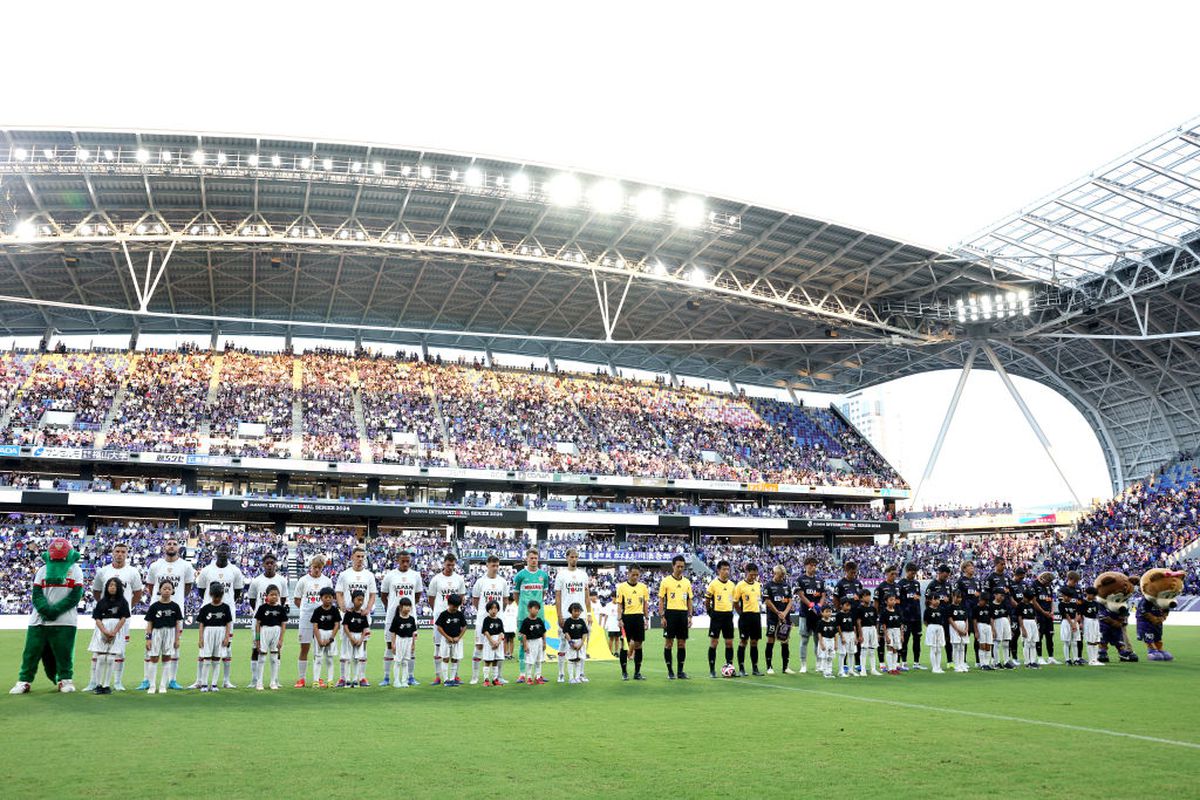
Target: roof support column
(941,437)
(1032,420)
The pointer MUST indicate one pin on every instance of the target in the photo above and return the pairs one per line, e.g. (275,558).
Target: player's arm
(96,586)
(558,606)
(708,600)
(1037,606)
(228,633)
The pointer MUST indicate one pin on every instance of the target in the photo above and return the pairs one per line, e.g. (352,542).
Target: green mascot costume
(50,638)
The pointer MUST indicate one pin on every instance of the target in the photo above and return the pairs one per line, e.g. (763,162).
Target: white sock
(225,665)
(388,658)
(256,670)
(935,657)
(439,669)
(302,669)
(118,670)
(343,669)
(149,670)
(174,669)
(561,665)
(499,666)
(453,670)
(92,674)
(475,666)
(412,665)
(361,674)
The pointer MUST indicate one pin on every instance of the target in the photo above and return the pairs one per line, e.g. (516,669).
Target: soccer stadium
(423,453)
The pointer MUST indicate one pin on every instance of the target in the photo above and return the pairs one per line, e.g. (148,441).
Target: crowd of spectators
(330,429)
(953,511)
(398,404)
(255,389)
(164,402)
(79,383)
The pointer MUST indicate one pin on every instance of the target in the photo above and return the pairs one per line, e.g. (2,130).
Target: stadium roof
(116,231)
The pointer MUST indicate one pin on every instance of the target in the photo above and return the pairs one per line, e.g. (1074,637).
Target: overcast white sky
(921,121)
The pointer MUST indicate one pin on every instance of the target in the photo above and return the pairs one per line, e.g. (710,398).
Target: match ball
(728,671)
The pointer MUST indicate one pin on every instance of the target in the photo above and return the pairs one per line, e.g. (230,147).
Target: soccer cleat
(583,679)
(918,666)
(214,689)
(877,672)
(712,673)
(151,690)
(562,678)
(639,677)
(66,686)
(541,681)
(364,683)
(204,689)
(789,671)
(228,685)
(770,670)
(499,682)
(194,685)
(1166,655)
(521,678)
(670,676)
(386,681)
(413,681)
(116,687)
(174,684)
(144,686)
(804,669)
(902,668)
(856,674)
(625,676)
(475,682)
(741,673)
(258,687)
(299,684)
(756,674)
(321,684)
(20,687)
(273,686)
(1095,663)
(1051,660)
(436,682)
(843,674)
(341,684)
(90,687)
(683,676)
(486,682)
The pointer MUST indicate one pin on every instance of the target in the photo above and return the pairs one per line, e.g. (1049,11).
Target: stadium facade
(1092,291)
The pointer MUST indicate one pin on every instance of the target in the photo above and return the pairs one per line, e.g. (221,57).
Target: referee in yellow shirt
(718,601)
(675,607)
(747,598)
(633,605)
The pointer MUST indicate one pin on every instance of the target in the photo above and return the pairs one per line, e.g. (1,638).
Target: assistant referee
(675,608)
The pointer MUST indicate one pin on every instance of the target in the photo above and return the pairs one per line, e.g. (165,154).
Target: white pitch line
(978,714)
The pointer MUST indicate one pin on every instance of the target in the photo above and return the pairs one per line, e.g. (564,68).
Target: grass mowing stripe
(977,714)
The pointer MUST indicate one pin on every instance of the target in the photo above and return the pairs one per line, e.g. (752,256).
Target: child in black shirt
(450,624)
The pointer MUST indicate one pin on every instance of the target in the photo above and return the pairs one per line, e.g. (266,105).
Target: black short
(750,625)
(677,624)
(812,623)
(720,623)
(773,626)
(508,637)
(635,627)
(913,626)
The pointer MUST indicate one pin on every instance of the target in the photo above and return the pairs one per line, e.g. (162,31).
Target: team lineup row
(852,623)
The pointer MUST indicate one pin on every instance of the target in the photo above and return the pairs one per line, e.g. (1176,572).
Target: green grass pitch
(915,735)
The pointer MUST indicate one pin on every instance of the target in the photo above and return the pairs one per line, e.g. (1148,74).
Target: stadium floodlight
(426,172)
(356,167)
(109,155)
(85,230)
(198,158)
(276,160)
(306,163)
(499,181)
(140,230)
(82,154)
(102,230)
(405,170)
(473,177)
(985,303)
(311,233)
(520,184)
(377,168)
(165,155)
(733,221)
(48,153)
(25,229)
(210,230)
(453,174)
(405,238)
(563,190)
(607,197)
(649,204)
(660,268)
(143,155)
(252,160)
(698,277)
(327,164)
(961,308)
(689,212)
(20,154)
(221,158)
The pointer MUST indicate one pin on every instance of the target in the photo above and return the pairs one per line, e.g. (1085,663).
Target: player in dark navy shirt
(910,612)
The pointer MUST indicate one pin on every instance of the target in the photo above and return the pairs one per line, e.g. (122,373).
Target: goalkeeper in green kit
(529,584)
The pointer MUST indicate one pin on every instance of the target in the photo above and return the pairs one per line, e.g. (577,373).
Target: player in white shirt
(610,619)
(509,617)
(306,595)
(571,586)
(256,593)
(398,584)
(131,583)
(441,586)
(356,577)
(182,576)
(487,588)
(234,582)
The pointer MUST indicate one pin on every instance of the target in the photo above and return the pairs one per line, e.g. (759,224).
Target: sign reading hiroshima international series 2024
(383,510)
